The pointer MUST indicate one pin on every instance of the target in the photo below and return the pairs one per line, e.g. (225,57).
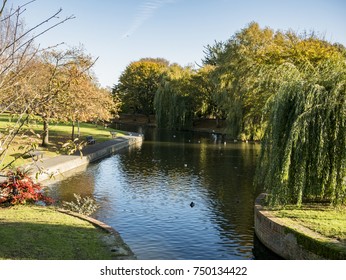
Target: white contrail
(145,11)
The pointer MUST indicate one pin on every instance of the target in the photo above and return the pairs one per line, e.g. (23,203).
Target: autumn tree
(138,85)
(65,90)
(213,53)
(87,101)
(17,51)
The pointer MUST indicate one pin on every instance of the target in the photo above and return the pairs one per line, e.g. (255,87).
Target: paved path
(55,167)
(99,146)
(47,163)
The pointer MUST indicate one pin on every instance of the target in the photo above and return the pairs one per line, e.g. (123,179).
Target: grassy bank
(58,133)
(41,233)
(327,221)
(319,228)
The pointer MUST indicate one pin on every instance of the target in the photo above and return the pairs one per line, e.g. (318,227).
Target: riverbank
(45,233)
(58,133)
(57,168)
(101,235)
(291,238)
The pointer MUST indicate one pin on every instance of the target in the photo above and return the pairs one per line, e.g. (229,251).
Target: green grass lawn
(318,228)
(42,233)
(58,133)
(326,220)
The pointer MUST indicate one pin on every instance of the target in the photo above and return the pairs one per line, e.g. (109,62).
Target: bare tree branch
(17,55)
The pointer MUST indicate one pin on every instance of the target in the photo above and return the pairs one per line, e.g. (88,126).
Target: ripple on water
(146,194)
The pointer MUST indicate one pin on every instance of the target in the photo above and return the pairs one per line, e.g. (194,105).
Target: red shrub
(19,188)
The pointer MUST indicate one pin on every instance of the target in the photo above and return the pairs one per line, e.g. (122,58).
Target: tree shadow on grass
(33,241)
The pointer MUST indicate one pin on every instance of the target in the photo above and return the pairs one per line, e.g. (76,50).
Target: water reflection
(145,193)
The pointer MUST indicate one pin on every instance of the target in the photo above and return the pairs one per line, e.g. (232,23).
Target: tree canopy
(138,85)
(173,101)
(303,155)
(64,90)
(55,83)
(185,94)
(246,72)
(283,88)
(17,54)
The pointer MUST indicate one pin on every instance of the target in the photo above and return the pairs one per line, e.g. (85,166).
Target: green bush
(82,205)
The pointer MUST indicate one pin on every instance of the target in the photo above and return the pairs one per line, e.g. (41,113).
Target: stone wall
(60,167)
(288,242)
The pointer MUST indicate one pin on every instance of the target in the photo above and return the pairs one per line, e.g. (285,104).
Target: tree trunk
(148,116)
(134,115)
(78,129)
(72,136)
(45,136)
(218,125)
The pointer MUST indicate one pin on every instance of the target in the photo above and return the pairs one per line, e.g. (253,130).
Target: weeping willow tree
(303,156)
(173,102)
(241,72)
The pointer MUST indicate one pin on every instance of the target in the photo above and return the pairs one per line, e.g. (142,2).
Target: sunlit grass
(326,220)
(33,232)
(59,133)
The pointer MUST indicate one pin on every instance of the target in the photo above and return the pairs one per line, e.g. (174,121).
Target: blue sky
(122,31)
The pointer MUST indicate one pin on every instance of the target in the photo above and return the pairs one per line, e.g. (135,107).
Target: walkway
(56,168)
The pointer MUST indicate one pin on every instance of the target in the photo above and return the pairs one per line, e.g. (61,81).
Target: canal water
(179,195)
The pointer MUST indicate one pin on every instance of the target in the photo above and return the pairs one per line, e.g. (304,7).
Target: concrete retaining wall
(58,168)
(67,166)
(291,243)
(128,141)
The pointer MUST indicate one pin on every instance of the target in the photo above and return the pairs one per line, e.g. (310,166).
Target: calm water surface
(145,193)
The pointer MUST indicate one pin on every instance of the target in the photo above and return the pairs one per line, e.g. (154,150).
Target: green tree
(212,53)
(174,102)
(303,156)
(204,94)
(138,85)
(238,74)
(246,72)
(185,95)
